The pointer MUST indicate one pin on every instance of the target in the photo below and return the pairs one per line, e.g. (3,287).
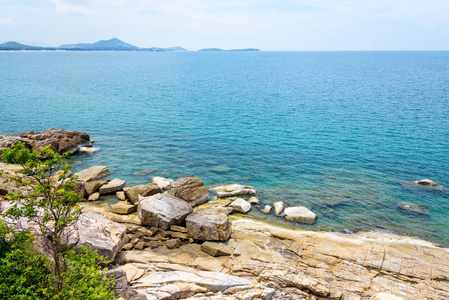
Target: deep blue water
(334,131)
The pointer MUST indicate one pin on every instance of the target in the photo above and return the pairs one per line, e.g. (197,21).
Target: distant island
(103,45)
(113,44)
(218,50)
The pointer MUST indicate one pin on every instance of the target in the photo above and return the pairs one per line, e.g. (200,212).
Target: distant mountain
(218,49)
(112,44)
(175,49)
(17,46)
(211,49)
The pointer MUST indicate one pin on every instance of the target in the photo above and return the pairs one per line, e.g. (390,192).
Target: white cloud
(65,7)
(5,21)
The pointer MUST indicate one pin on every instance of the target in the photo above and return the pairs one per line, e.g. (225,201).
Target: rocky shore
(177,239)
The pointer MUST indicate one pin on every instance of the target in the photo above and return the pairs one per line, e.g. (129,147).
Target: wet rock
(427,182)
(266,209)
(254,200)
(162,182)
(89,150)
(209,226)
(96,173)
(279,207)
(163,210)
(112,186)
(121,195)
(190,189)
(232,190)
(413,208)
(123,208)
(299,214)
(216,249)
(240,205)
(134,192)
(94,197)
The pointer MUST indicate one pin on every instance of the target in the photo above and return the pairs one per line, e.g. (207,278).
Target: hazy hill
(18,46)
(112,44)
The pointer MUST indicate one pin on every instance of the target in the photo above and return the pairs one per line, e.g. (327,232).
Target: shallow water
(334,131)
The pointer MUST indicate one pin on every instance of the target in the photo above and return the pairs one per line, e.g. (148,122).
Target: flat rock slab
(95,173)
(112,186)
(163,210)
(213,281)
(216,249)
(89,150)
(299,214)
(209,225)
(232,190)
(123,208)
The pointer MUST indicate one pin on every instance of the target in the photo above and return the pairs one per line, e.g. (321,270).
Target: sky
(290,25)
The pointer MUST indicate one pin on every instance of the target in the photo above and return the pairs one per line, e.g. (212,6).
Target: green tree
(52,203)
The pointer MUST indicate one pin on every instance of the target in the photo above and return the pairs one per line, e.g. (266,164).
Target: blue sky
(264,24)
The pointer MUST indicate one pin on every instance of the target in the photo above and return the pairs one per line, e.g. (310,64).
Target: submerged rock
(413,208)
(163,210)
(299,214)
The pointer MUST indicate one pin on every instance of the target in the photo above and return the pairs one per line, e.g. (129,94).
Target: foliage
(49,200)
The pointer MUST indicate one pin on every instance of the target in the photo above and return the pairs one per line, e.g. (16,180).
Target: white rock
(385,296)
(300,214)
(90,150)
(213,281)
(240,205)
(279,207)
(254,200)
(266,209)
(162,182)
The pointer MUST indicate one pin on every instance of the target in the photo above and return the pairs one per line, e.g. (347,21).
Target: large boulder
(112,186)
(413,208)
(59,140)
(162,210)
(146,190)
(232,190)
(190,189)
(162,182)
(98,232)
(299,214)
(94,174)
(209,225)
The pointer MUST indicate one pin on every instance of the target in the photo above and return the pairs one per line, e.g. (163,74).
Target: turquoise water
(334,131)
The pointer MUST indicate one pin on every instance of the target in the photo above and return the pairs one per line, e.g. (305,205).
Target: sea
(337,132)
